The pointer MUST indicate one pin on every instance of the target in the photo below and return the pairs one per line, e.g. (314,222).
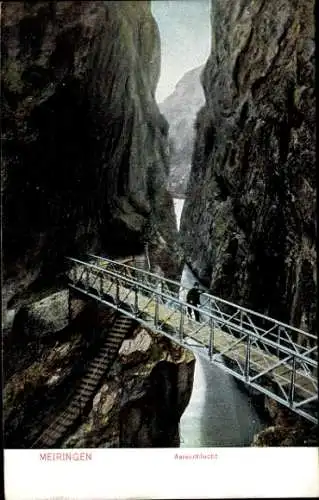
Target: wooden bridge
(276,359)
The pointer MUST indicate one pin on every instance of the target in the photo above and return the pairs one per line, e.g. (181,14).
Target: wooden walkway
(276,366)
(260,360)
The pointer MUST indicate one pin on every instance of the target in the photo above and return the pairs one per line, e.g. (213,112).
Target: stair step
(89,381)
(106,356)
(93,381)
(96,362)
(81,393)
(80,402)
(54,437)
(53,427)
(102,363)
(74,410)
(113,347)
(86,391)
(97,368)
(43,440)
(114,342)
(80,398)
(59,429)
(103,358)
(69,419)
(93,378)
(103,371)
(49,441)
(111,350)
(59,425)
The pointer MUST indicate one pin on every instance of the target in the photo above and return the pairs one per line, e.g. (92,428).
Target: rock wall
(84,151)
(285,428)
(248,227)
(143,397)
(138,403)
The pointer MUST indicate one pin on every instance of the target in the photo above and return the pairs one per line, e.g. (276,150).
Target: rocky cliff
(180,109)
(84,145)
(137,403)
(248,227)
(84,169)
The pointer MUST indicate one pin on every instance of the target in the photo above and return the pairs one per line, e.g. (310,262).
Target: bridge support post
(247,360)
(101,285)
(136,301)
(292,381)
(117,293)
(211,338)
(156,311)
(181,324)
(278,342)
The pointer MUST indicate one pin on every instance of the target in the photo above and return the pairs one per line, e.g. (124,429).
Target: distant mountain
(180,109)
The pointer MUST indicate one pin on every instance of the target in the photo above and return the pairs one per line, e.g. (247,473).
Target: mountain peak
(180,109)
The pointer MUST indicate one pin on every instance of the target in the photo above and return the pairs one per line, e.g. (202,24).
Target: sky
(185,39)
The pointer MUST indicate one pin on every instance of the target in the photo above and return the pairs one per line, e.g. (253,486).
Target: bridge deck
(257,350)
(259,359)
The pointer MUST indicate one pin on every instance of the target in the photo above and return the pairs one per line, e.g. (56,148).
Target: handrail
(210,296)
(265,346)
(114,278)
(142,285)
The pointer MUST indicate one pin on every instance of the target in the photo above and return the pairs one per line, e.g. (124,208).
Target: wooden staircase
(90,382)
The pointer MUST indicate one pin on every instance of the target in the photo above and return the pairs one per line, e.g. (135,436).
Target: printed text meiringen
(69,456)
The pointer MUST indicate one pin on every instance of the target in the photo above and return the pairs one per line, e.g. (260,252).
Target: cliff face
(84,144)
(248,226)
(180,109)
(143,398)
(138,402)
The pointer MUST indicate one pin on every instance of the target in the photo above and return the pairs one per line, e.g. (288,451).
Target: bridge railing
(104,277)
(283,334)
(231,317)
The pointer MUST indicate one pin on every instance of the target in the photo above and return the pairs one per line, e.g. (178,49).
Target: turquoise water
(219,413)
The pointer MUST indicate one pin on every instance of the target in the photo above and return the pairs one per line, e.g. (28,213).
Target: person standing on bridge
(193,299)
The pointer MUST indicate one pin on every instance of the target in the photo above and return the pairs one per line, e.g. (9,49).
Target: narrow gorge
(248,228)
(87,169)
(84,169)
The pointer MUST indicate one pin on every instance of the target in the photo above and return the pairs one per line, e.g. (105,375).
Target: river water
(219,413)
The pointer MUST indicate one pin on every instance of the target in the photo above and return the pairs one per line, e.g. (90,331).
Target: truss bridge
(269,356)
